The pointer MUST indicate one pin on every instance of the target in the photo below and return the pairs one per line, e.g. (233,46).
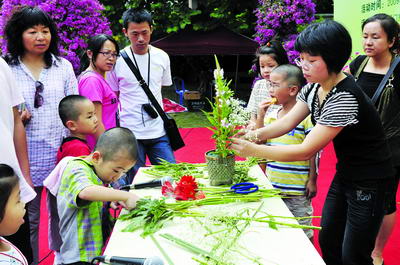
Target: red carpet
(198,141)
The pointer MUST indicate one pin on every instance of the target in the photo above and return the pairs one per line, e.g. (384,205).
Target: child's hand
(311,189)
(25,116)
(251,126)
(130,203)
(243,148)
(263,107)
(114,205)
(241,132)
(251,136)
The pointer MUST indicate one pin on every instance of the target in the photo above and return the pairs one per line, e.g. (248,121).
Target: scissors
(243,188)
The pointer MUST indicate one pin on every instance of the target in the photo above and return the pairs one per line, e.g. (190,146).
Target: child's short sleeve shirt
(290,177)
(13,256)
(80,221)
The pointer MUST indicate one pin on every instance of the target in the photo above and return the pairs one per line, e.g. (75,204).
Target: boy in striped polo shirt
(297,179)
(82,192)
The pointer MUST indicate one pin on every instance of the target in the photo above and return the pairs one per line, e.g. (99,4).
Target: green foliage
(174,15)
(149,215)
(175,171)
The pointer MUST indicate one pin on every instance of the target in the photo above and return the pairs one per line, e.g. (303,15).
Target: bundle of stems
(151,214)
(225,231)
(176,171)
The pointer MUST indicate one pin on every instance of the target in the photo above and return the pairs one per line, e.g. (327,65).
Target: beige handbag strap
(361,68)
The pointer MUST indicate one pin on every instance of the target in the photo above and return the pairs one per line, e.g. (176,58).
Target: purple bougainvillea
(76,21)
(282,18)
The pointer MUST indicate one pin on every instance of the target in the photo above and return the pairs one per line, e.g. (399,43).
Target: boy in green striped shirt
(296,180)
(82,192)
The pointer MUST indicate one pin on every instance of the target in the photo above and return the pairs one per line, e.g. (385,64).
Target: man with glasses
(137,112)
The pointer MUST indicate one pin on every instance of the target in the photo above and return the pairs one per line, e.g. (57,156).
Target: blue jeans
(154,149)
(351,218)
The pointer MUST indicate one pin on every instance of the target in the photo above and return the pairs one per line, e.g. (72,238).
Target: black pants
(351,219)
(22,239)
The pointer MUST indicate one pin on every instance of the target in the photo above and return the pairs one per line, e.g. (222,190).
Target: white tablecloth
(285,246)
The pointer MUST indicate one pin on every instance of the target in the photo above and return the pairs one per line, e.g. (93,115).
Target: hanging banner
(351,13)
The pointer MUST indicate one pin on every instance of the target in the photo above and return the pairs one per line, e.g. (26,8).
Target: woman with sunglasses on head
(342,113)
(44,79)
(380,41)
(100,57)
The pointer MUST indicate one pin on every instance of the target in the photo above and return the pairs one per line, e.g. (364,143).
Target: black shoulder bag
(382,84)
(170,127)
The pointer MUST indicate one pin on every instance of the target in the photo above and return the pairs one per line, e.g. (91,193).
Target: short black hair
(116,140)
(292,74)
(22,19)
(95,44)
(274,49)
(328,39)
(136,15)
(68,109)
(389,25)
(8,180)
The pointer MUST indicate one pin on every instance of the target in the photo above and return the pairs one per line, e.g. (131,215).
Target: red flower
(186,189)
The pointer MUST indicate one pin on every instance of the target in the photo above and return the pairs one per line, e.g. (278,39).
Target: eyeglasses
(110,54)
(301,63)
(38,102)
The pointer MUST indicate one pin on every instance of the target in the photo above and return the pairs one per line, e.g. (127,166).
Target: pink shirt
(93,86)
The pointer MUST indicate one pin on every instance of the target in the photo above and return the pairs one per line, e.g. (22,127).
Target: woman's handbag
(170,126)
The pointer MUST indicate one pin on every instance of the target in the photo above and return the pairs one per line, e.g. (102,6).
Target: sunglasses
(38,102)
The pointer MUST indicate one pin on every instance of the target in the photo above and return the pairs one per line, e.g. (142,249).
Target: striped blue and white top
(290,177)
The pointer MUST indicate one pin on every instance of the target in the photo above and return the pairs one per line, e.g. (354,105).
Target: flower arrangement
(77,21)
(282,18)
(227,114)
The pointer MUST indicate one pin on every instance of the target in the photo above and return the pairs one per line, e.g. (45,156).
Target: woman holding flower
(44,79)
(355,204)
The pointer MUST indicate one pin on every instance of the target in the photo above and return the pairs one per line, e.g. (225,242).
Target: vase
(220,169)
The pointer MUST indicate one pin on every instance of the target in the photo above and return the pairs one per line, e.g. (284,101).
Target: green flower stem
(238,251)
(263,219)
(216,232)
(191,248)
(240,231)
(163,252)
(201,262)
